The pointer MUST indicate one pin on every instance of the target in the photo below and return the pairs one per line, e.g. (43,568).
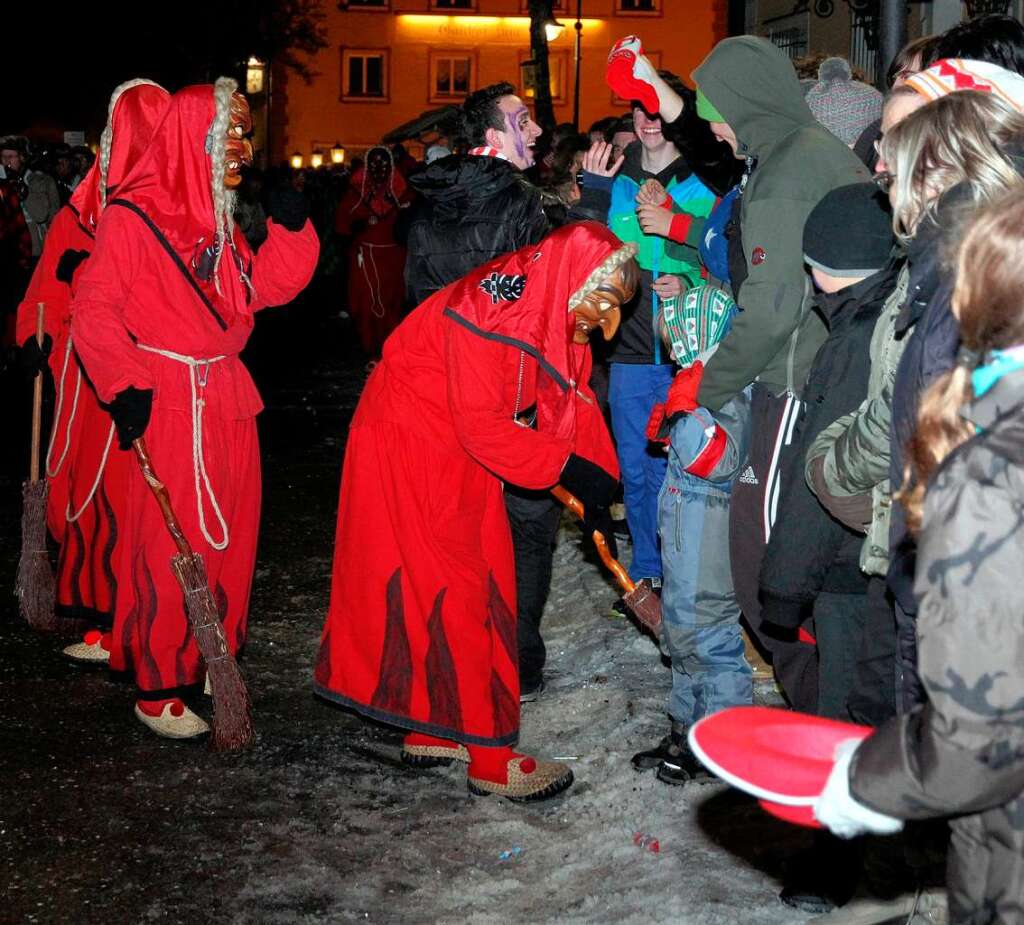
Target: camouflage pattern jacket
(961,753)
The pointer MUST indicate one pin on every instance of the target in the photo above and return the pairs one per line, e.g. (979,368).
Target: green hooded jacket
(774,338)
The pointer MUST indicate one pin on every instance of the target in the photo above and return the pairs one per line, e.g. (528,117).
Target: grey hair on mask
(107,138)
(223,198)
(605,269)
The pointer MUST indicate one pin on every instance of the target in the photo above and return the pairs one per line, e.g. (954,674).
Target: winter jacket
(613,201)
(961,752)
(774,339)
(809,551)
(472,209)
(856,446)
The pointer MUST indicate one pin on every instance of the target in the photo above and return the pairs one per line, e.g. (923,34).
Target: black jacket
(809,551)
(471,209)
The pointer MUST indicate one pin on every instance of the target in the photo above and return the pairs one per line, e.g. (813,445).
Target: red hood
(522,299)
(136,114)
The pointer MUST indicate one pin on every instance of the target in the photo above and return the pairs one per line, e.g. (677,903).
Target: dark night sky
(71,56)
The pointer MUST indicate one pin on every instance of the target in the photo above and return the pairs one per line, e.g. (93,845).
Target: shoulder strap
(173,254)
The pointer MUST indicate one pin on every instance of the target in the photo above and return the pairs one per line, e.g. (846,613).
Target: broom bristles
(34,584)
(232,711)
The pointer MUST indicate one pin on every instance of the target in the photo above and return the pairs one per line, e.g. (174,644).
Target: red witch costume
(166,303)
(86,474)
(368,212)
(421,631)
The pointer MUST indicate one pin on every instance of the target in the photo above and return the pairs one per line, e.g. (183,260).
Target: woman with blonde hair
(956,153)
(960,752)
(940,160)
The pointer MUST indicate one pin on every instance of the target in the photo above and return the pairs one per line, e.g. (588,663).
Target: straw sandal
(434,755)
(172,723)
(529,780)
(91,650)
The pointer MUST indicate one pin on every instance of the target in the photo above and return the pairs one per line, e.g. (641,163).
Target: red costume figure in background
(421,630)
(376,283)
(164,306)
(85,471)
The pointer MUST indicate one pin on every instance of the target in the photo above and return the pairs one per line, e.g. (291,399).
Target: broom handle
(613,565)
(37,400)
(162,498)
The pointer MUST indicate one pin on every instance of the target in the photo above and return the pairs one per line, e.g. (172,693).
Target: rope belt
(52,470)
(198,371)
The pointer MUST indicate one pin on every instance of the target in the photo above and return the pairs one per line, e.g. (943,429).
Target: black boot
(672,757)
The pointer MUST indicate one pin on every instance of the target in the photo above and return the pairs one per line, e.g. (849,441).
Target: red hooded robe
(376,282)
(421,629)
(86,479)
(140,293)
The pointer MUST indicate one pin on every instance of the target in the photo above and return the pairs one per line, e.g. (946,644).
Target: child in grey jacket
(706,454)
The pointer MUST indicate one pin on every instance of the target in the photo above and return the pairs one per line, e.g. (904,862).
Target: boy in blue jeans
(706,453)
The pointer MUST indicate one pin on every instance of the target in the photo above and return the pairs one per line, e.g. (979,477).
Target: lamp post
(337,153)
(578,26)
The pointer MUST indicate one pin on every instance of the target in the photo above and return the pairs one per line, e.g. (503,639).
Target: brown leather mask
(238,152)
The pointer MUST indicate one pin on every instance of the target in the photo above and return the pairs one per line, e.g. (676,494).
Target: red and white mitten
(630,74)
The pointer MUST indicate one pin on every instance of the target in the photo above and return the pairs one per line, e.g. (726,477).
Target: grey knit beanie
(844,106)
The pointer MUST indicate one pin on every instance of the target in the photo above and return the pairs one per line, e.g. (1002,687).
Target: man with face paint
(367,214)
(484,383)
(474,207)
(164,306)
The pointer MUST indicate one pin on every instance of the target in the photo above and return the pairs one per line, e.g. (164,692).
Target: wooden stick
(37,400)
(612,564)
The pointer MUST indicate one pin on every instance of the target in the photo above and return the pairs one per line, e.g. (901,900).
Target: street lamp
(553,29)
(296,160)
(337,153)
(316,159)
(578,26)
(254,74)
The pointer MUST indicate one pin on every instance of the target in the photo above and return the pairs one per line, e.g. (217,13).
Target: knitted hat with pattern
(844,106)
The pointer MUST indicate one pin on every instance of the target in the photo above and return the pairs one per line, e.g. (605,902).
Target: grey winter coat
(961,752)
(856,446)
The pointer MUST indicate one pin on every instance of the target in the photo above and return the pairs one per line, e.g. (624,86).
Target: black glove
(70,261)
(596,490)
(130,410)
(32,358)
(289,208)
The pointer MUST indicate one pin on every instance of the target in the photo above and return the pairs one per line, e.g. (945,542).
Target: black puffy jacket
(809,551)
(471,210)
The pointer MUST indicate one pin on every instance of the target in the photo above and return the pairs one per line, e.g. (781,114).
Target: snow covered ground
(320,822)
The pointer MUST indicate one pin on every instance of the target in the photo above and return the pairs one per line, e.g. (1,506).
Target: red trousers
(152,635)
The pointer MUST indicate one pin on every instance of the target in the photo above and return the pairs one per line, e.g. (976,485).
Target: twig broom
(232,712)
(34,584)
(639,597)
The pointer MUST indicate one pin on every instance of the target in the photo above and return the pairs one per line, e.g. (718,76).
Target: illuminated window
(637,6)
(364,74)
(558,70)
(452,75)
(453,4)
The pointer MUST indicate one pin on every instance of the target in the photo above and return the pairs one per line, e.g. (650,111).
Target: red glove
(629,74)
(654,423)
(682,394)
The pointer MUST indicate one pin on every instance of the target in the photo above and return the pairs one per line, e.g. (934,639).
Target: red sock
(156,707)
(418,738)
(492,763)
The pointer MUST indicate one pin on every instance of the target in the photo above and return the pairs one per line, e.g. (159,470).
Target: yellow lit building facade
(387,61)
